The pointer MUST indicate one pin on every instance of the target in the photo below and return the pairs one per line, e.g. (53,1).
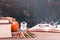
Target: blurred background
(31,11)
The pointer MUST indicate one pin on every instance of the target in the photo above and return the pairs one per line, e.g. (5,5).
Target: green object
(27,34)
(31,35)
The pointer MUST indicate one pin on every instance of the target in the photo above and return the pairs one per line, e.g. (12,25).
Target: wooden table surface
(39,36)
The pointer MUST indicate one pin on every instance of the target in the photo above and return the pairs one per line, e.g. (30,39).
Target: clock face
(23,25)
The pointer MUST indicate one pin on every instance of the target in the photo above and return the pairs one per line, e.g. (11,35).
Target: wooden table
(39,36)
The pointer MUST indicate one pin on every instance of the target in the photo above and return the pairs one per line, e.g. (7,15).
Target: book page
(5,30)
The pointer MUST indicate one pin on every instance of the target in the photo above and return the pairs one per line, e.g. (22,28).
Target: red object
(15,26)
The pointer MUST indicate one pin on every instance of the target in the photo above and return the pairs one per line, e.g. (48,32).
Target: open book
(50,28)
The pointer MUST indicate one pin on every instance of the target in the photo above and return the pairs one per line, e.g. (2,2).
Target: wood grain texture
(40,36)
